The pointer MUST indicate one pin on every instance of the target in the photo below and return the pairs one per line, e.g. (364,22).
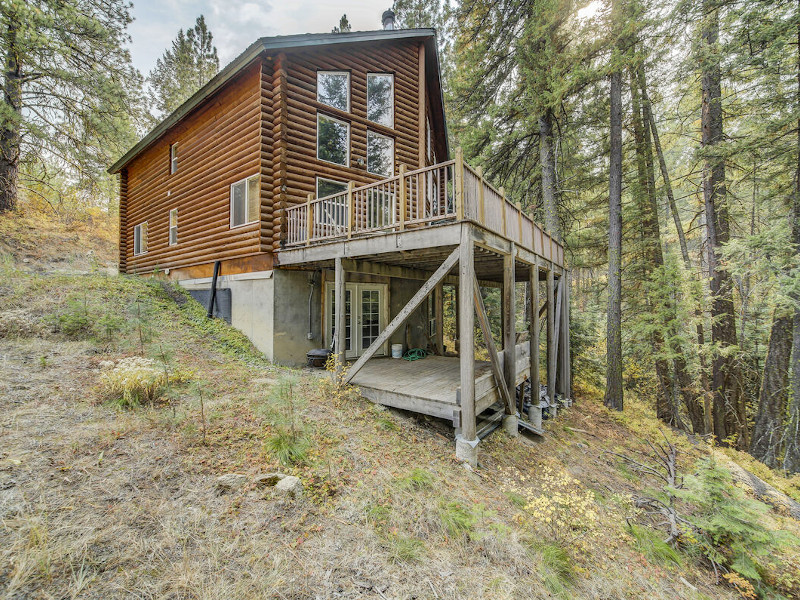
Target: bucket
(397,350)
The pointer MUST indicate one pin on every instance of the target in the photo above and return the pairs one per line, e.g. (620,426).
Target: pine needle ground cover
(101,497)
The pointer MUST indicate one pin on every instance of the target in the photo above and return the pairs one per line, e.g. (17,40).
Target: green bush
(289,447)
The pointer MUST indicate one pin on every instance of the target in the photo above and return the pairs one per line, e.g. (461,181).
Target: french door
(367,303)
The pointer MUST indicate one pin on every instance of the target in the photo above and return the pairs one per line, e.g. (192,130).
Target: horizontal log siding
(295,125)
(123,221)
(218,144)
(266,157)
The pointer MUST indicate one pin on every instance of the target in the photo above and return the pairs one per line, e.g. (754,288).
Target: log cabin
(313,172)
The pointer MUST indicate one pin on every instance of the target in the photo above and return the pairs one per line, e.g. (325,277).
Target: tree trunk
(10,120)
(548,162)
(728,416)
(702,410)
(614,392)
(769,426)
(653,258)
(791,459)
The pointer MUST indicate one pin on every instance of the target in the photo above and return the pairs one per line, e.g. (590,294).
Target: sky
(235,24)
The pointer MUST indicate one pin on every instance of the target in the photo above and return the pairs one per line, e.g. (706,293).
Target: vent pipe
(388,20)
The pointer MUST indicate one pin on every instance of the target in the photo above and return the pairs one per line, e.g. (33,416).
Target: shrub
(132,381)
(75,322)
(289,447)
(18,323)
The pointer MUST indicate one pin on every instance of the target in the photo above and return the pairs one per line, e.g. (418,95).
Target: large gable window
(380,98)
(333,89)
(140,239)
(333,140)
(380,154)
(245,205)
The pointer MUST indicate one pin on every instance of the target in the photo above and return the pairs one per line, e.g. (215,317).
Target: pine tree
(343,26)
(69,90)
(184,68)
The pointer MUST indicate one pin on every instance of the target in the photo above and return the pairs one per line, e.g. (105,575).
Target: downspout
(213,298)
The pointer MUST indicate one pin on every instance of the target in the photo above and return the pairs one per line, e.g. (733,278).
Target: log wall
(219,144)
(296,121)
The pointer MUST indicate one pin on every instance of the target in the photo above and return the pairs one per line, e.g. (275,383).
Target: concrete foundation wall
(400,292)
(291,316)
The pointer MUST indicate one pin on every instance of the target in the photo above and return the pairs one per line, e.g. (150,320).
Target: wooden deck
(430,386)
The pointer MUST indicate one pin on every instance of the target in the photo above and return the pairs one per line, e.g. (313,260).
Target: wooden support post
(309,220)
(509,324)
(567,351)
(481,200)
(401,317)
(403,202)
(494,359)
(534,333)
(459,184)
(562,336)
(351,209)
(438,309)
(339,316)
(551,350)
(466,326)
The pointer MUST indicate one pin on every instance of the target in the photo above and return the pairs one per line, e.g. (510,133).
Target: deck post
(351,208)
(565,335)
(533,335)
(309,220)
(438,309)
(466,443)
(509,326)
(562,337)
(339,317)
(458,184)
(402,191)
(551,349)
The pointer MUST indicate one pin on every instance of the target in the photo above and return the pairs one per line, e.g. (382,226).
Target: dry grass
(100,502)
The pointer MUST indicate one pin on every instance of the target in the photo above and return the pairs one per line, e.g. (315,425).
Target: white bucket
(397,350)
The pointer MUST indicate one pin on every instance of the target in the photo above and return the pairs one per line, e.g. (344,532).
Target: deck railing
(448,191)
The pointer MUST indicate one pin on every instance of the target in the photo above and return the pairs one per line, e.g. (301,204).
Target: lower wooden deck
(430,386)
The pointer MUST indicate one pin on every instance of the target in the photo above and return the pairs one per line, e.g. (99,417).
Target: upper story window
(173,227)
(173,158)
(140,239)
(380,154)
(333,89)
(333,140)
(380,98)
(245,201)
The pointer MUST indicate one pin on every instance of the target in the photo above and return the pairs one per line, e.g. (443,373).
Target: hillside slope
(107,494)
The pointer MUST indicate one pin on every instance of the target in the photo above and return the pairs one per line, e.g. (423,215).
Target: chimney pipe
(388,20)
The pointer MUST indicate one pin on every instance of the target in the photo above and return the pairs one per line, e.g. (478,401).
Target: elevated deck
(405,207)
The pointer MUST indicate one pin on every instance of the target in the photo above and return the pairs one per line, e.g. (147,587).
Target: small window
(245,201)
(333,211)
(380,154)
(333,140)
(173,158)
(333,89)
(173,227)
(140,239)
(380,98)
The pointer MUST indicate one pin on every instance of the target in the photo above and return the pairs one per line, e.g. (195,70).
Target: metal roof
(287,42)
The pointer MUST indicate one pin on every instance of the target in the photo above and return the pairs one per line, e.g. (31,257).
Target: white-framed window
(140,239)
(173,158)
(333,89)
(380,98)
(380,154)
(245,201)
(333,211)
(333,140)
(173,227)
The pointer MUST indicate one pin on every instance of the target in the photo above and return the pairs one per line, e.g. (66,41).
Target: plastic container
(397,350)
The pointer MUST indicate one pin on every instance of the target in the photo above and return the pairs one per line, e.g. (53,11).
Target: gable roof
(292,42)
